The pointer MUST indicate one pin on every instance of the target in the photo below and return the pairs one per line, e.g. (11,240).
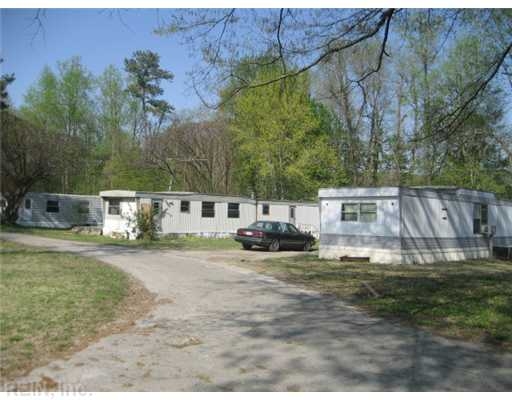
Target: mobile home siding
(172,220)
(378,240)
(68,214)
(277,211)
(307,218)
(437,228)
(413,226)
(306,214)
(503,211)
(192,222)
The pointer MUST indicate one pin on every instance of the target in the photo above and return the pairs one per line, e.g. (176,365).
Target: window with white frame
(359,212)
(349,212)
(367,212)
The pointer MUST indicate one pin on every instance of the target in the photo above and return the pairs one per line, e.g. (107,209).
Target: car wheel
(307,246)
(274,246)
(247,246)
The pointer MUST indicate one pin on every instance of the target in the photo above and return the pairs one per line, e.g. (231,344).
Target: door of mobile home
(27,210)
(292,215)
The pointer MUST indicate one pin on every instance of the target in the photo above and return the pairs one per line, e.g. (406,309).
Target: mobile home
(412,225)
(304,216)
(52,210)
(189,213)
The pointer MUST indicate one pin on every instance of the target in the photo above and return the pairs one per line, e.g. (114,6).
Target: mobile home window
(349,212)
(185,206)
(28,204)
(114,207)
(208,209)
(83,207)
(480,217)
(265,209)
(52,206)
(156,206)
(292,212)
(233,210)
(368,212)
(362,212)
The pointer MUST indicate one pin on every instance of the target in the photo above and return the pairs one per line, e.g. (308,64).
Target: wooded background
(312,99)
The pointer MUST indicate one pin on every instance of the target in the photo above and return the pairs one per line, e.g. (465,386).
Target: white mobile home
(412,225)
(304,216)
(186,213)
(52,210)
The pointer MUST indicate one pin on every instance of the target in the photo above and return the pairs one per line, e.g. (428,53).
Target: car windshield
(265,226)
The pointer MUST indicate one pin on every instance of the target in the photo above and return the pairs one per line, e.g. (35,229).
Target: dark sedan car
(274,236)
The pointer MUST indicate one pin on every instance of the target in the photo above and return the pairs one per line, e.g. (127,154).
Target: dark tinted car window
(292,228)
(266,226)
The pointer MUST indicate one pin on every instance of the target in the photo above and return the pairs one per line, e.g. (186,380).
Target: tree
(29,158)
(307,38)
(146,76)
(5,80)
(62,102)
(198,155)
(113,114)
(277,152)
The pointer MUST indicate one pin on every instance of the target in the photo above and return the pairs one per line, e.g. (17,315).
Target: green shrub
(146,223)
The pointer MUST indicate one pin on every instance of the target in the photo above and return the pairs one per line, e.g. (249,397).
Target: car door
(296,237)
(285,240)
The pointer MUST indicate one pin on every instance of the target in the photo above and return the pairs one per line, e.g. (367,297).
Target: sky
(99,37)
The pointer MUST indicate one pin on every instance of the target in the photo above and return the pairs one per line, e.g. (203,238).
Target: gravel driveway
(221,327)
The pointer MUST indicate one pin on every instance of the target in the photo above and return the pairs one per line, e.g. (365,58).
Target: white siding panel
(307,218)
(175,221)
(277,212)
(504,220)
(423,217)
(387,223)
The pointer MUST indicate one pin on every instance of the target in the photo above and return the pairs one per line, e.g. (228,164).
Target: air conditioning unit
(488,230)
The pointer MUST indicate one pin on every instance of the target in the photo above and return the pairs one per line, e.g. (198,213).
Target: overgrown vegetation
(42,294)
(470,300)
(146,223)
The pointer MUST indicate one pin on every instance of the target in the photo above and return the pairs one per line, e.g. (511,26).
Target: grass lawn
(470,300)
(52,302)
(171,243)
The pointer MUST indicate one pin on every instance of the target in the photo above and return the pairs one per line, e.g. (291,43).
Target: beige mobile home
(187,213)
